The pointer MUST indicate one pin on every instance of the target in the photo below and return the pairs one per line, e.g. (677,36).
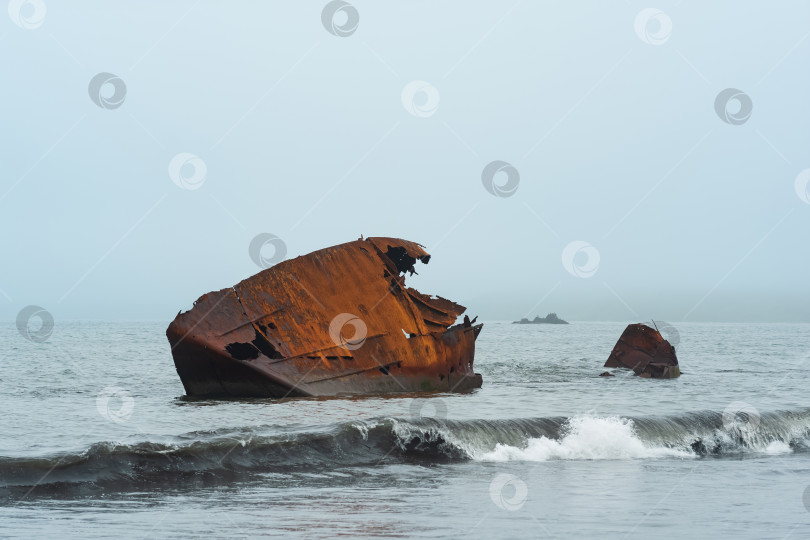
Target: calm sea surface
(97,440)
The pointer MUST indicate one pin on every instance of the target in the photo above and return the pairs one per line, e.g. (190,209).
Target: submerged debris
(646,352)
(338,320)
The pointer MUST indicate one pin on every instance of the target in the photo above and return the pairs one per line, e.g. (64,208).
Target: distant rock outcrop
(551,318)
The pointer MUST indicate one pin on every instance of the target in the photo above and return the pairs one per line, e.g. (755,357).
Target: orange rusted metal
(338,320)
(646,352)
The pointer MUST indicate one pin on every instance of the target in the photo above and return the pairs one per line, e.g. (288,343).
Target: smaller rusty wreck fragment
(339,320)
(646,352)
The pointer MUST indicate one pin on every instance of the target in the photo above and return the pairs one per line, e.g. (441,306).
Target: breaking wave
(588,438)
(226,455)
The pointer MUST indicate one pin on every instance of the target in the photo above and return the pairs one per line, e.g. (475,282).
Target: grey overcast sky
(643,190)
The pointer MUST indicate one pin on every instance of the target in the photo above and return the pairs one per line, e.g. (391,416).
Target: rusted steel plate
(646,352)
(338,320)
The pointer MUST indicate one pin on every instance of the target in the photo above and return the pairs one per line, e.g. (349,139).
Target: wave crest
(587,437)
(223,455)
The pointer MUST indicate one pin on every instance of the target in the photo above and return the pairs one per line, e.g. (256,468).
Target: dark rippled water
(96,440)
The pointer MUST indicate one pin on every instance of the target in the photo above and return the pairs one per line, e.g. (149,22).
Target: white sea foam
(778,447)
(363,429)
(586,437)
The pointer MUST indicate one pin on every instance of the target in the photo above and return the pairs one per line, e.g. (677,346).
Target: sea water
(97,440)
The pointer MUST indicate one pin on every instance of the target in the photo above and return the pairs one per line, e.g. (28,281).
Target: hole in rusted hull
(266,347)
(242,351)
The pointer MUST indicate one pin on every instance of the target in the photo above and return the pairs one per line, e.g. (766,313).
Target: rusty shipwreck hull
(336,321)
(646,352)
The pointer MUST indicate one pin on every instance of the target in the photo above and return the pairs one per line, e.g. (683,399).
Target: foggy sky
(306,135)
